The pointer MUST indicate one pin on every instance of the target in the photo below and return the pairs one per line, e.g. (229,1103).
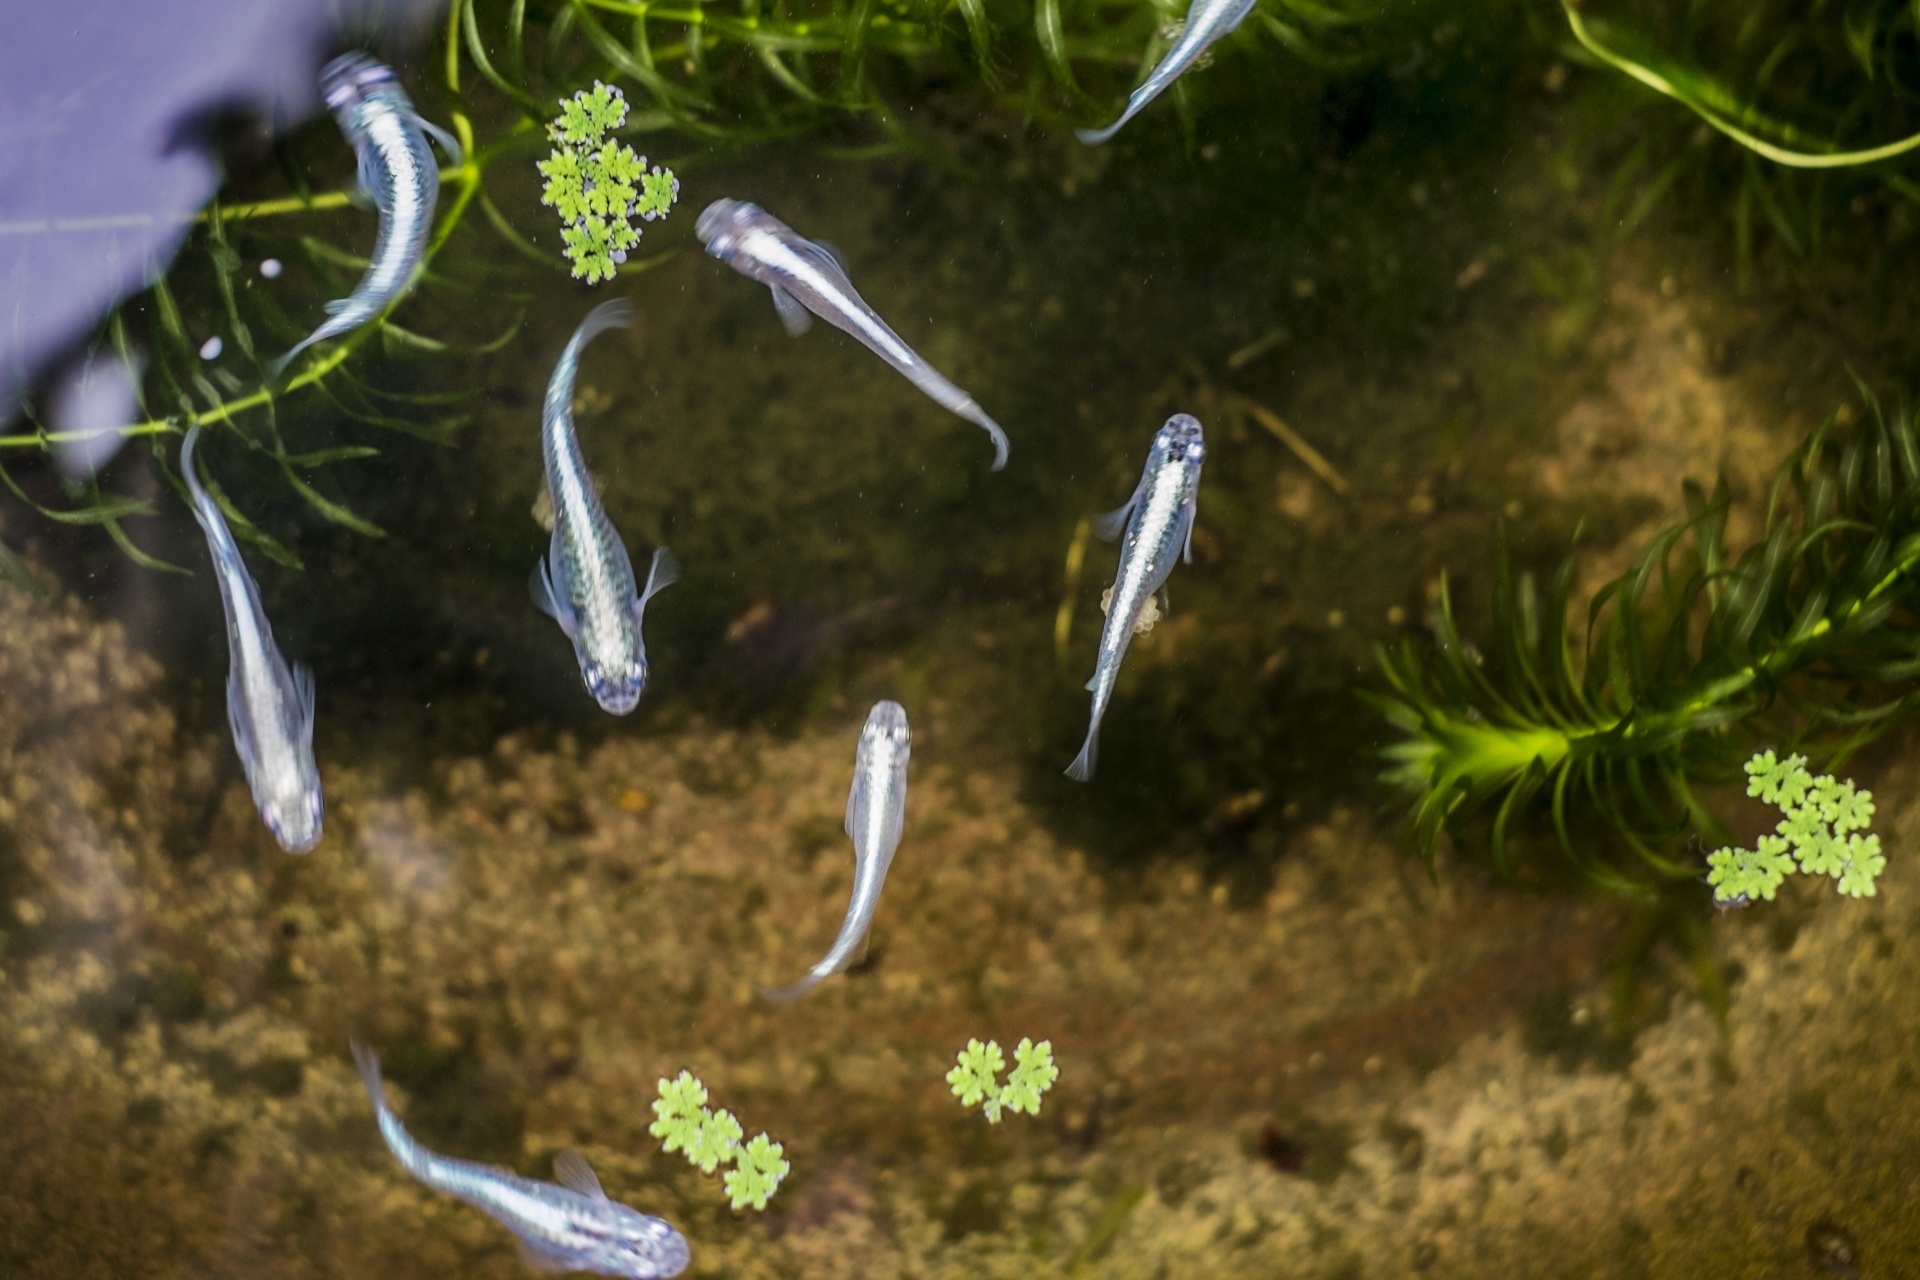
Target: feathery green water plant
(975,1078)
(1812,635)
(1821,832)
(598,185)
(683,1122)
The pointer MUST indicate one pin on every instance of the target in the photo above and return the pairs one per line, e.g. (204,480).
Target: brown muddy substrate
(1360,1074)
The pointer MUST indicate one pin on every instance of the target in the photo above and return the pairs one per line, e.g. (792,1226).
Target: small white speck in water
(212,347)
(270,268)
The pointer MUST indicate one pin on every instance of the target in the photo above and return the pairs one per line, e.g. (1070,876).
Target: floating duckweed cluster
(597,184)
(1821,832)
(975,1078)
(710,1139)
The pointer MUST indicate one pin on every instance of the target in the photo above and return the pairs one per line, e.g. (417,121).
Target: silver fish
(1207,21)
(1158,520)
(876,815)
(569,1227)
(397,174)
(806,276)
(269,704)
(586,583)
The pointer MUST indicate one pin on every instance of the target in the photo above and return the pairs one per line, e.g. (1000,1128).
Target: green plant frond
(1685,655)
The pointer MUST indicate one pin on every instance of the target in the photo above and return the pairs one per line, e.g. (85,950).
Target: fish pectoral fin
(1192,518)
(303,694)
(448,143)
(243,740)
(375,180)
(1109,526)
(793,315)
(827,255)
(541,1259)
(572,1171)
(856,804)
(540,587)
(664,572)
(334,308)
(1093,682)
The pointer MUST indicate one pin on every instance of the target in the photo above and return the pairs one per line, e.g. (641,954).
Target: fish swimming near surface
(876,815)
(269,704)
(806,276)
(397,175)
(1158,524)
(571,1226)
(1207,21)
(586,581)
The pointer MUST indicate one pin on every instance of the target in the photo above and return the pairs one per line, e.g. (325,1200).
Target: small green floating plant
(975,1078)
(598,185)
(1821,832)
(710,1139)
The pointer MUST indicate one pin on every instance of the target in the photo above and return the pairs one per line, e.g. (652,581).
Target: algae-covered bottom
(1328,1082)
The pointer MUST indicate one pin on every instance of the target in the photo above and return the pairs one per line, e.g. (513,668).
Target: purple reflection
(103,160)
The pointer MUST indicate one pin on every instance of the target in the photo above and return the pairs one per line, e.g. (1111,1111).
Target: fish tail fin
(1082,767)
(368,1060)
(793,991)
(615,313)
(979,417)
(1094,137)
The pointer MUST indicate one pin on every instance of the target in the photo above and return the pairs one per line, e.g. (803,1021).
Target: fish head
(294,817)
(1181,440)
(616,686)
(887,723)
(643,1247)
(723,224)
(351,79)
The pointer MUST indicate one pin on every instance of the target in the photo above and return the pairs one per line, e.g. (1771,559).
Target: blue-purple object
(104,158)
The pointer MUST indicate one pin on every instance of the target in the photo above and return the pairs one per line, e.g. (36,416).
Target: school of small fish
(586,583)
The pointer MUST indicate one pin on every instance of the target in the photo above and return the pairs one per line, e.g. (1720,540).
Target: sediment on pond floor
(1362,1073)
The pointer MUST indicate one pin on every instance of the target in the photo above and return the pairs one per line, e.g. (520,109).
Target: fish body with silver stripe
(570,1226)
(876,818)
(807,276)
(1158,523)
(397,174)
(269,704)
(1207,21)
(586,582)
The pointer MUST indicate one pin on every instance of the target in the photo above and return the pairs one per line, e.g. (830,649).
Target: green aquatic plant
(1812,635)
(598,185)
(975,1078)
(1820,830)
(684,1123)
(1813,102)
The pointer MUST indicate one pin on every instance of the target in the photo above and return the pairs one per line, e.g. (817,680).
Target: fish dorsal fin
(575,1174)
(793,315)
(376,181)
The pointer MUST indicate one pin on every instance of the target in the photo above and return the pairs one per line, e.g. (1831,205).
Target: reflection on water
(1283,1048)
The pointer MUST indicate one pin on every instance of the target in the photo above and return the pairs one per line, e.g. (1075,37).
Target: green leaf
(715,1142)
(679,1108)
(1033,1074)
(658,191)
(757,1173)
(1863,866)
(975,1076)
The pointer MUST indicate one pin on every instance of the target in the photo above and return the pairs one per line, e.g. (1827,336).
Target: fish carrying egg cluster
(586,583)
